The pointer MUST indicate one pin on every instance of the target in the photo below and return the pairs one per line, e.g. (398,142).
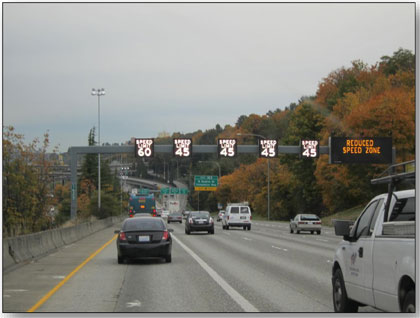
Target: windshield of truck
(404,210)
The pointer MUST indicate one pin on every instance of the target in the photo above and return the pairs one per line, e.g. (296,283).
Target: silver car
(306,222)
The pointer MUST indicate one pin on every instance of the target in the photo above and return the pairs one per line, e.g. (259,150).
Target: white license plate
(143,238)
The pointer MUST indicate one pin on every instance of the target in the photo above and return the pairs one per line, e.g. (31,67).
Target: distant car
(199,221)
(305,222)
(144,237)
(165,213)
(220,215)
(175,217)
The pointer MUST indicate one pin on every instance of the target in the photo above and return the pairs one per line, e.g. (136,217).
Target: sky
(178,67)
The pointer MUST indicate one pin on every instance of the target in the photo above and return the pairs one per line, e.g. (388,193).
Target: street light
(99,92)
(268,174)
(215,162)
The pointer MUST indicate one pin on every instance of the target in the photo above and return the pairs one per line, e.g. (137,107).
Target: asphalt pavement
(266,269)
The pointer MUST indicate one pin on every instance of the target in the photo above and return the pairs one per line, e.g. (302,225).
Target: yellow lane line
(59,285)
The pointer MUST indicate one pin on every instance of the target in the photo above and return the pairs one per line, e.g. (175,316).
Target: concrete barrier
(26,247)
(8,260)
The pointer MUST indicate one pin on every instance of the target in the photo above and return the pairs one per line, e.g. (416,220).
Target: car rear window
(403,210)
(244,210)
(234,209)
(201,215)
(140,224)
(309,218)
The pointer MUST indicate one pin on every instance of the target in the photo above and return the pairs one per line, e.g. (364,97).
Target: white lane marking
(59,277)
(329,261)
(238,298)
(6,296)
(15,290)
(248,239)
(322,240)
(135,303)
(279,248)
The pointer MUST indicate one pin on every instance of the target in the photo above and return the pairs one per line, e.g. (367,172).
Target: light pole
(99,92)
(215,162)
(123,171)
(268,174)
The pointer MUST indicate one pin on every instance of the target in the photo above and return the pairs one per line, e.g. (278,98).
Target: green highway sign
(144,191)
(205,183)
(174,191)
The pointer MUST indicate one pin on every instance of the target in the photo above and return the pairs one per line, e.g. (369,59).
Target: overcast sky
(178,67)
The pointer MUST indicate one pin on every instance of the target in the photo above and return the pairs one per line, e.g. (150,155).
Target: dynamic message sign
(309,148)
(205,183)
(361,150)
(144,147)
(227,147)
(182,147)
(268,148)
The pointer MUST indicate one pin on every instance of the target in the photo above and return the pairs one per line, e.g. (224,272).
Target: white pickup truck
(375,264)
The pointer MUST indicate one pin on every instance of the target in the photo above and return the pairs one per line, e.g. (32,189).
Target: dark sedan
(144,237)
(199,221)
(175,217)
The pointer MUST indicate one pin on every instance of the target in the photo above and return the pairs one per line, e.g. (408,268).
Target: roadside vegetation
(356,101)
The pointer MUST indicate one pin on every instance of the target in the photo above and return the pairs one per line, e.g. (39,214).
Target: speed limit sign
(309,148)
(144,147)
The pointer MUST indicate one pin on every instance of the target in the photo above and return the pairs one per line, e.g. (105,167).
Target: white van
(237,215)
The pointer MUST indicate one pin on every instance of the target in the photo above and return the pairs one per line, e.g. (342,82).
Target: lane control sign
(182,147)
(144,147)
(309,148)
(227,147)
(268,148)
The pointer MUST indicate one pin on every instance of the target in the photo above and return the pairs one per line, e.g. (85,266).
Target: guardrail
(23,248)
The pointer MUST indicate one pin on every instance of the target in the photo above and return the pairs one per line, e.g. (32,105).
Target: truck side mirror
(342,228)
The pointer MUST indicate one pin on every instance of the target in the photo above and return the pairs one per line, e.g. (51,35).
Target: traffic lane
(147,285)
(299,250)
(27,284)
(326,231)
(319,255)
(268,280)
(151,285)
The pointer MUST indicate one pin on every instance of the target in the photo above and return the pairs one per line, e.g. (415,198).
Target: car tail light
(131,215)
(165,236)
(154,210)
(190,221)
(301,222)
(317,222)
(250,217)
(228,217)
(211,220)
(123,237)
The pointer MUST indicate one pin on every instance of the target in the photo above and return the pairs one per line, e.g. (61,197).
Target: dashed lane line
(237,297)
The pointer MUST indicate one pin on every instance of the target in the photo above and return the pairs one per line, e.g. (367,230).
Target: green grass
(350,214)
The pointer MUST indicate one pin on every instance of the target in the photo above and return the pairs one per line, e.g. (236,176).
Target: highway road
(266,269)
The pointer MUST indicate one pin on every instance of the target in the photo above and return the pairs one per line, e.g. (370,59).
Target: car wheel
(227,227)
(168,258)
(409,302)
(212,231)
(319,232)
(223,227)
(312,232)
(340,300)
(249,227)
(297,232)
(244,227)
(169,222)
(120,260)
(291,231)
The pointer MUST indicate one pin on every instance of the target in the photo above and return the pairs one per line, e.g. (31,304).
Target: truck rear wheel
(340,300)
(409,302)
